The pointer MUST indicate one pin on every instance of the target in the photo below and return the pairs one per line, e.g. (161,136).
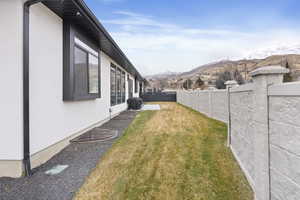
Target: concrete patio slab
(151,107)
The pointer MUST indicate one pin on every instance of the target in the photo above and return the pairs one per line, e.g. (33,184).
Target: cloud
(155,46)
(135,19)
(130,14)
(111,1)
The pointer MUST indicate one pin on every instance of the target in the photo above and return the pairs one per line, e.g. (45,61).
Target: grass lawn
(174,153)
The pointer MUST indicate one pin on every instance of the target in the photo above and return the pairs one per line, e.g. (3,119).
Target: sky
(178,35)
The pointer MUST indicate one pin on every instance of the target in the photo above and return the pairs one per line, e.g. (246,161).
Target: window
(80,61)
(119,93)
(135,85)
(81,67)
(130,87)
(117,78)
(93,74)
(87,63)
(113,96)
(141,87)
(123,87)
(87,72)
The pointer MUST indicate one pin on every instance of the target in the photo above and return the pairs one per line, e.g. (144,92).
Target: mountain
(161,75)
(209,72)
(281,50)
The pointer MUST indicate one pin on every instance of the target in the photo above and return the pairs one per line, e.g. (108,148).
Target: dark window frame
(135,85)
(123,85)
(70,32)
(120,96)
(119,85)
(130,87)
(113,97)
(141,88)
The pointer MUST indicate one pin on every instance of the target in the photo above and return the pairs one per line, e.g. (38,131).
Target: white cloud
(154,46)
(111,1)
(135,19)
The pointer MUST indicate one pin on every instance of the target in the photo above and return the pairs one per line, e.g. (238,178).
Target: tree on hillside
(237,76)
(163,83)
(287,77)
(223,77)
(228,76)
(187,84)
(199,83)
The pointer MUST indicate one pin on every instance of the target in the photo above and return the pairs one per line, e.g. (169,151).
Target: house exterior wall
(11,146)
(53,122)
(52,119)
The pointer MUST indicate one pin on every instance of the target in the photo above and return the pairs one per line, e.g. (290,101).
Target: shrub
(199,83)
(187,84)
(228,76)
(135,103)
(223,77)
(287,77)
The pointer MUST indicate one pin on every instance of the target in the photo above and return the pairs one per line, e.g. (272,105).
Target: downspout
(26,115)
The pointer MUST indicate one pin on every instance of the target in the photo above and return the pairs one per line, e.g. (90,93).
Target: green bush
(135,103)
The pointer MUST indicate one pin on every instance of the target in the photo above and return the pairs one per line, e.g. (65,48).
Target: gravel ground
(81,158)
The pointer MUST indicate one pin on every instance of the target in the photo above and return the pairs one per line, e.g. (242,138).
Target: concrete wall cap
(269,70)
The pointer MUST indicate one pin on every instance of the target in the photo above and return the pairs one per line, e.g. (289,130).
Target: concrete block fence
(263,129)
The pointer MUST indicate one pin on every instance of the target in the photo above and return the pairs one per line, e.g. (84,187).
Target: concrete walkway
(80,158)
(151,107)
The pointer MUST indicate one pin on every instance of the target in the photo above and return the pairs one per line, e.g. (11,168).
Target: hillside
(209,72)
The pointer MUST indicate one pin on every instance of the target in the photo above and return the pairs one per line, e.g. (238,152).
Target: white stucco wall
(11,142)
(52,119)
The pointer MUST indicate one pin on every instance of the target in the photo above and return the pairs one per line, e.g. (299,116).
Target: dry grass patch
(174,153)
